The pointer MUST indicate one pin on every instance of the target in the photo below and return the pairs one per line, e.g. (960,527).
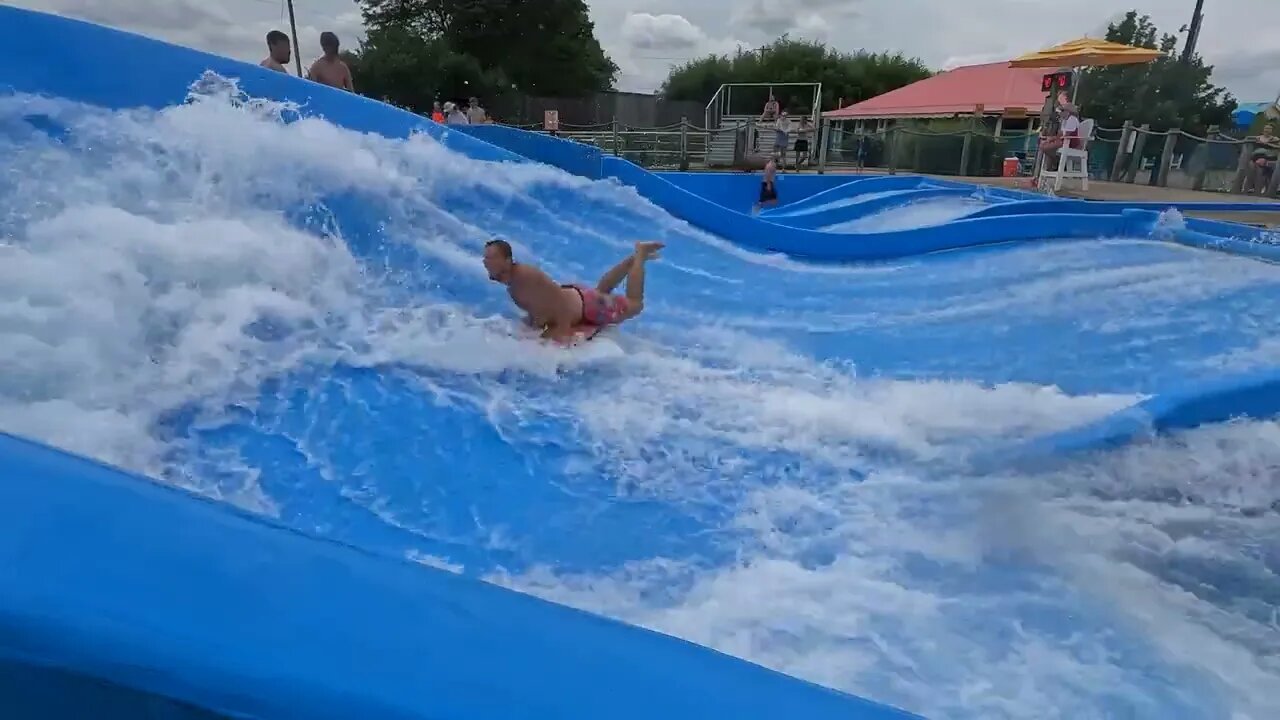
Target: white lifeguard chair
(1066,156)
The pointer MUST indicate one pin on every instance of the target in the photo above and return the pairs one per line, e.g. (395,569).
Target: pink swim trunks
(601,308)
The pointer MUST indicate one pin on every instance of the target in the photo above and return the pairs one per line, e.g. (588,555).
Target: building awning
(997,87)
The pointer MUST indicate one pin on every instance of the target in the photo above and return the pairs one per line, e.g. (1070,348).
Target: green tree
(543,48)
(1165,93)
(405,69)
(852,76)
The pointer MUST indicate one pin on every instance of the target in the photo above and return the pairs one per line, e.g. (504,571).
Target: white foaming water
(155,261)
(1166,535)
(922,213)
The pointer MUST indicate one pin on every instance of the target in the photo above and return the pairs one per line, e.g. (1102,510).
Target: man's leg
(616,274)
(635,276)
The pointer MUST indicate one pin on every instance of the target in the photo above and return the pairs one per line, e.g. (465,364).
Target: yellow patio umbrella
(1085,52)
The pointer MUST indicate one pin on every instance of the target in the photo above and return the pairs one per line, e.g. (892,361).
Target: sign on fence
(551,120)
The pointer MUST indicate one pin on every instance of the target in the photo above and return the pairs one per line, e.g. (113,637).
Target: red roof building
(997,87)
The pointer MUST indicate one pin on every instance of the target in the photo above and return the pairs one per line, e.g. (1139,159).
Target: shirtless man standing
(330,69)
(278,52)
(768,186)
(559,309)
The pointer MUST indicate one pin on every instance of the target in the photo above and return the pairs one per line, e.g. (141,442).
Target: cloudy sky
(646,37)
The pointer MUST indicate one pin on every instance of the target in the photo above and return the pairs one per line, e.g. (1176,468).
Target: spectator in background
(437,113)
(1051,138)
(279,52)
(454,116)
(1071,126)
(1264,159)
(803,134)
(780,130)
(771,109)
(330,69)
(476,114)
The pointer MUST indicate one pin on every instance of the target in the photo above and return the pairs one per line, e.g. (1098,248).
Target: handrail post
(1166,157)
(1201,169)
(615,137)
(894,150)
(684,144)
(1122,151)
(1139,146)
(1243,166)
(826,142)
(711,104)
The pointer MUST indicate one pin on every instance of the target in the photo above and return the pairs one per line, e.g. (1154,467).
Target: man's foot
(648,250)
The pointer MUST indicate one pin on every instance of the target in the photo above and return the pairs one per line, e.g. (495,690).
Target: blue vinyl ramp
(273,445)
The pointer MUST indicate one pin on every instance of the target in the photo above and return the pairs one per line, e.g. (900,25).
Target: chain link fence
(1135,155)
(673,147)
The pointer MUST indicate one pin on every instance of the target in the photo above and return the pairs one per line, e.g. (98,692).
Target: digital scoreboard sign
(1056,81)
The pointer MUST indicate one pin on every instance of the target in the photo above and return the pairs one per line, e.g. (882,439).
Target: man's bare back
(332,72)
(271,64)
(544,301)
(559,309)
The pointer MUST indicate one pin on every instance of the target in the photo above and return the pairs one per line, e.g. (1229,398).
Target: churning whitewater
(292,317)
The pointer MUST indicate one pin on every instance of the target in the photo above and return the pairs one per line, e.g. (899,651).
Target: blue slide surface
(273,445)
(852,217)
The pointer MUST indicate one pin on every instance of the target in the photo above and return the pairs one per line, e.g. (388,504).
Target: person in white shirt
(454,116)
(1062,130)
(780,130)
(1070,126)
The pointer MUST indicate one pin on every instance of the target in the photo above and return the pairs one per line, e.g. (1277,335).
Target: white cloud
(651,44)
(662,32)
(797,17)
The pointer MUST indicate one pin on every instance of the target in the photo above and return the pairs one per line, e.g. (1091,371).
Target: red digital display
(1058,80)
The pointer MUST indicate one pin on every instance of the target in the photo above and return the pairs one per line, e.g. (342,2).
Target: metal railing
(971,153)
(1174,158)
(721,103)
(1127,155)
(677,146)
(1130,154)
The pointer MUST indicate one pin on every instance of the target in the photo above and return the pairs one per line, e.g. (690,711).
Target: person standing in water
(279,52)
(768,186)
(330,69)
(561,310)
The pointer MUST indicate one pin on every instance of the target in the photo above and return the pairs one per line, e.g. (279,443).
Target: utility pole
(293,29)
(1193,33)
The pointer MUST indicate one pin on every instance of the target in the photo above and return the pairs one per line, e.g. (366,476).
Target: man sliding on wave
(561,310)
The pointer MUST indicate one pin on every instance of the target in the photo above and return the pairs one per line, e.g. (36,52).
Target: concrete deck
(1102,190)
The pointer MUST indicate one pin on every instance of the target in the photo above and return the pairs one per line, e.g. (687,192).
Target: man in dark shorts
(561,311)
(768,186)
(802,141)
